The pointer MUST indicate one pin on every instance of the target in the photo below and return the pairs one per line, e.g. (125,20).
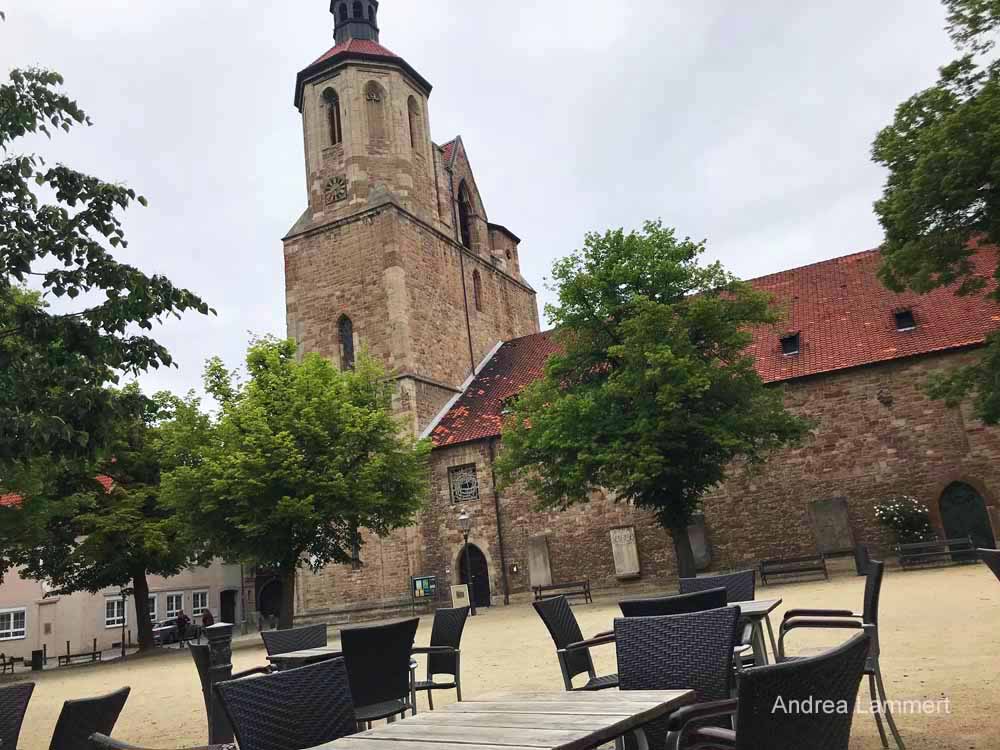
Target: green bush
(908,519)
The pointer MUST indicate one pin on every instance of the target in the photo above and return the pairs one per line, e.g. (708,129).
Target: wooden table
(294,659)
(525,721)
(759,612)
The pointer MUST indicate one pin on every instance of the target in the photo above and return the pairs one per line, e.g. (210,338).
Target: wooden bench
(571,589)
(794,566)
(68,658)
(937,551)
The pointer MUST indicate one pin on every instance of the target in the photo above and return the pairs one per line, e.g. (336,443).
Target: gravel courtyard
(940,640)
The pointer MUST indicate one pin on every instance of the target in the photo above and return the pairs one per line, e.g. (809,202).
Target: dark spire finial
(354,19)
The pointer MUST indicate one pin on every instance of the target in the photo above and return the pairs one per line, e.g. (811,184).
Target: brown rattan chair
(378,667)
(769,709)
(846,619)
(571,649)
(992,559)
(79,719)
(444,653)
(13,703)
(295,639)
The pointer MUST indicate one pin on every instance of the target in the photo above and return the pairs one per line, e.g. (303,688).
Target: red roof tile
(13,500)
(358,46)
(449,150)
(842,313)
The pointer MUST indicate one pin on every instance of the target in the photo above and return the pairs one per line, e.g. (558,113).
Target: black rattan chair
(680,604)
(691,651)
(81,718)
(444,654)
(992,559)
(571,649)
(103,742)
(378,666)
(740,586)
(845,619)
(290,710)
(296,639)
(13,703)
(769,710)
(201,656)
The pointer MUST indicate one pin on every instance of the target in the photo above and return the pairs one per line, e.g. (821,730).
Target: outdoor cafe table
(758,612)
(525,720)
(294,659)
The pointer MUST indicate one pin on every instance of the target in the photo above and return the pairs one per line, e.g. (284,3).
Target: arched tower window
(414,114)
(332,102)
(343,12)
(375,106)
(359,11)
(345,332)
(465,214)
(477,290)
(371,13)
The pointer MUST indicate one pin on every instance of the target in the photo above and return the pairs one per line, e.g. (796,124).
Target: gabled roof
(843,314)
(13,500)
(448,150)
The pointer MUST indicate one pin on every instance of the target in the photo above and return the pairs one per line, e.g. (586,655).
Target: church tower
(394,251)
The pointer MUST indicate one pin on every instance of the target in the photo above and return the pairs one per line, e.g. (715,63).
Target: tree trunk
(140,594)
(287,610)
(685,556)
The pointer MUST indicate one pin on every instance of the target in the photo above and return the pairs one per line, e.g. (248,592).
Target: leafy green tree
(941,197)
(302,457)
(654,394)
(89,535)
(57,230)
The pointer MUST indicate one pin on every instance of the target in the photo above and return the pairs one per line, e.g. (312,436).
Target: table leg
(770,634)
(759,649)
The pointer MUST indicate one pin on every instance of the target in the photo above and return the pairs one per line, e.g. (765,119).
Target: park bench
(794,566)
(571,589)
(69,658)
(7,665)
(937,551)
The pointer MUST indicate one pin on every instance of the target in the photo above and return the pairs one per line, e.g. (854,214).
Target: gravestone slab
(831,525)
(700,548)
(625,552)
(539,567)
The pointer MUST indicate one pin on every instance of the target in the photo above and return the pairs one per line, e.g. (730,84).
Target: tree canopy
(654,394)
(301,457)
(941,198)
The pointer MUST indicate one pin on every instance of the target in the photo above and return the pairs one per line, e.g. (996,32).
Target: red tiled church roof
(843,314)
(358,46)
(449,150)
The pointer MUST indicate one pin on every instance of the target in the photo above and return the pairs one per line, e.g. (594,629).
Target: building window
(332,102)
(175,603)
(343,12)
(359,10)
(477,290)
(345,331)
(374,99)
(199,602)
(152,607)
(414,114)
(790,344)
(464,483)
(465,214)
(371,13)
(114,613)
(905,320)
(13,624)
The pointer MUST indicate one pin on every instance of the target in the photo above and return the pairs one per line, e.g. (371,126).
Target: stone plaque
(539,567)
(460,595)
(698,536)
(625,552)
(831,525)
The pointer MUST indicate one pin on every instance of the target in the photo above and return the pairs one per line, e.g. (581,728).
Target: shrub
(908,519)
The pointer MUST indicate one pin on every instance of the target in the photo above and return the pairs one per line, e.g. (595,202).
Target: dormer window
(905,320)
(790,345)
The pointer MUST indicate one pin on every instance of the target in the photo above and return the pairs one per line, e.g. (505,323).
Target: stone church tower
(394,251)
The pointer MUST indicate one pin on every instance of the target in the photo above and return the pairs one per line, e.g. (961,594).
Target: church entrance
(963,513)
(480,586)
(269,600)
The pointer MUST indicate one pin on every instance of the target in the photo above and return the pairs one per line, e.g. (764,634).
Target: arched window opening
(359,11)
(477,290)
(345,332)
(343,12)
(414,113)
(371,13)
(374,105)
(465,214)
(332,102)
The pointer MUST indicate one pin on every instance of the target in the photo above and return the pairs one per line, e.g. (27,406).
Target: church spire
(354,19)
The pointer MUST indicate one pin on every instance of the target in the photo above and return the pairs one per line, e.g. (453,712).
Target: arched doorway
(963,513)
(269,599)
(480,587)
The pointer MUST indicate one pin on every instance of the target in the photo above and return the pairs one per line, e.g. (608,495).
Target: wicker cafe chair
(81,718)
(295,639)
(992,559)
(740,586)
(571,649)
(680,604)
(378,666)
(691,651)
(103,742)
(13,703)
(290,710)
(201,656)
(775,708)
(444,654)
(845,619)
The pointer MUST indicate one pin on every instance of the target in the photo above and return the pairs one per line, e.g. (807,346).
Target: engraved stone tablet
(625,552)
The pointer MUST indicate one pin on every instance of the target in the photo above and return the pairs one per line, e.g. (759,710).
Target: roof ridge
(814,264)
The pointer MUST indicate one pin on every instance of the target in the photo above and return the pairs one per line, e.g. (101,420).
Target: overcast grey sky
(745,123)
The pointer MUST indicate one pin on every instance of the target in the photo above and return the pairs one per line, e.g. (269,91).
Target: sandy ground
(940,640)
